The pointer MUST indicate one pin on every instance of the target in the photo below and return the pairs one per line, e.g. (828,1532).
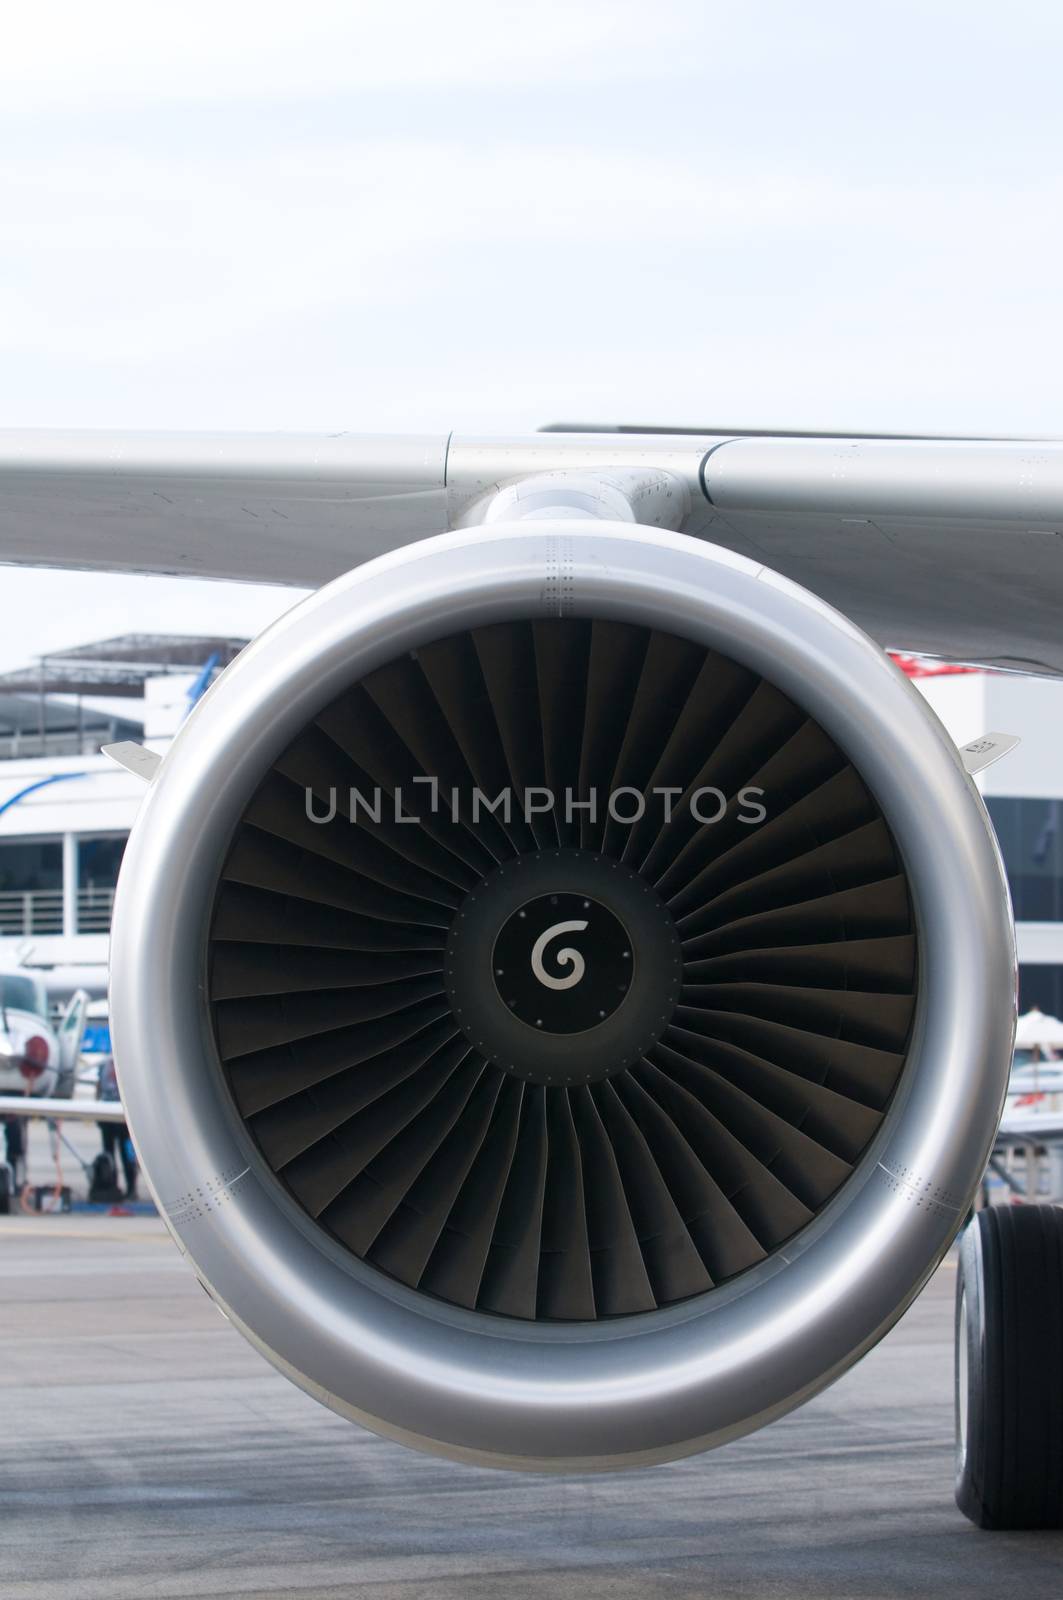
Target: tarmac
(147,1451)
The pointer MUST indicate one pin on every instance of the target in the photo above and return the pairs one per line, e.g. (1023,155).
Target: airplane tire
(1009,1368)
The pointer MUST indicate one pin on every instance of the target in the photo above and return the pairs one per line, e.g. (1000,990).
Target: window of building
(31,886)
(1041,985)
(1031,842)
(99,858)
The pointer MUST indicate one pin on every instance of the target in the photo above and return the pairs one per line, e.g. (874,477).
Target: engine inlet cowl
(562,988)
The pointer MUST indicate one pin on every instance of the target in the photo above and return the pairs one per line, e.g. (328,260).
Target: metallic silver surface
(646,494)
(20,1105)
(977,754)
(274,508)
(988,479)
(563,1397)
(135,758)
(953,547)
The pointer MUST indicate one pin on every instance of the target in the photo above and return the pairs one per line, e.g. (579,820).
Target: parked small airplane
(37,1057)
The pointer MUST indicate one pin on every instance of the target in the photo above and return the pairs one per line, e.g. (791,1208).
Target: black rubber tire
(1009,1370)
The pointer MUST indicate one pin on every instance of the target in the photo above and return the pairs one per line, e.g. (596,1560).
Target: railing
(40,911)
(31,911)
(30,746)
(94,910)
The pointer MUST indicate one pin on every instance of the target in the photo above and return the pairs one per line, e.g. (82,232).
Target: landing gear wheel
(1009,1368)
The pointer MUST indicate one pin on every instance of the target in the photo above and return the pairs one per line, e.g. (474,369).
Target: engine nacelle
(563,987)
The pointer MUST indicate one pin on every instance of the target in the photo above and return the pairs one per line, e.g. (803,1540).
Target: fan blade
(247,915)
(289,1126)
(260,860)
(358,726)
(257,1024)
(278,808)
(321,1173)
(767,1207)
(717,697)
(871,910)
(669,671)
(871,965)
(566,1289)
(562,652)
(403,694)
(456,1266)
(267,1077)
(246,970)
(359,1213)
(857,1071)
(806,761)
(675,1269)
(861,859)
(405,1244)
(764,724)
(840,1125)
(722,1239)
(808,1170)
(621,1283)
(511,1272)
(879,1020)
(614,668)
(454,675)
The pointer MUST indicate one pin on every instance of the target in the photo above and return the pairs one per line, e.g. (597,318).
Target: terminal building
(66,810)
(1023,793)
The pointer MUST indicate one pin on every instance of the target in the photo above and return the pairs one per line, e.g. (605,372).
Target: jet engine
(563,983)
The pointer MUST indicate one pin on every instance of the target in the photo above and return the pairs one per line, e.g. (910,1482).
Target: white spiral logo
(564,958)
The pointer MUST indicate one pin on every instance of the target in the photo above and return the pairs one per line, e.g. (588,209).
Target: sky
(487,216)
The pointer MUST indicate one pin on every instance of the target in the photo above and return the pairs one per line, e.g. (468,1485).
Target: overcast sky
(484,216)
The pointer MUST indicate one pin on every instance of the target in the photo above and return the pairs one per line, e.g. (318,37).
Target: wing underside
(948,546)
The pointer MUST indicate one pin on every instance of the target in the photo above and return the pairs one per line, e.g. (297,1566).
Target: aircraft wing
(948,546)
(60,1110)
